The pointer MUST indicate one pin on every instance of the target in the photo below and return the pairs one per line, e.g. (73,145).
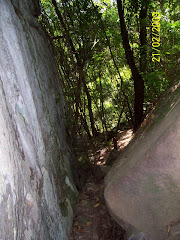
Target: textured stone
(139,236)
(36,185)
(143,187)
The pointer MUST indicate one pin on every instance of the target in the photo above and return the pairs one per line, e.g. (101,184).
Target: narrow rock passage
(92,220)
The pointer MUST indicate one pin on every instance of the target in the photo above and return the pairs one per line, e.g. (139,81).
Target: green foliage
(89,26)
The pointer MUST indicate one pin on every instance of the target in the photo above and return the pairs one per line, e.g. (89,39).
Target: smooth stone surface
(143,187)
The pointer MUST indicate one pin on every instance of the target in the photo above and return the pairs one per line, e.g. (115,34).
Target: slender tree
(138,80)
(78,65)
(143,35)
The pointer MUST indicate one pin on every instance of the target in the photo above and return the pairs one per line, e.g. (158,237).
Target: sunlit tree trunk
(89,100)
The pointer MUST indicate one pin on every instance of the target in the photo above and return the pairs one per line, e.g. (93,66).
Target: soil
(92,220)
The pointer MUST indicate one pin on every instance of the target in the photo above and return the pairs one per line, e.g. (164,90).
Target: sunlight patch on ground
(175,87)
(124,138)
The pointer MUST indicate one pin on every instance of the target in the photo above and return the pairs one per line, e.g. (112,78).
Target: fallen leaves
(78,228)
(88,224)
(96,205)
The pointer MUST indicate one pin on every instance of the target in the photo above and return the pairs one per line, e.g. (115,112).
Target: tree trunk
(138,80)
(102,106)
(119,119)
(91,116)
(84,122)
(77,66)
(143,36)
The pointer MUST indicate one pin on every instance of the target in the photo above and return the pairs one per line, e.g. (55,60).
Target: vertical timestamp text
(155,36)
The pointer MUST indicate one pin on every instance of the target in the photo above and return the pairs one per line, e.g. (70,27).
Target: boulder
(143,187)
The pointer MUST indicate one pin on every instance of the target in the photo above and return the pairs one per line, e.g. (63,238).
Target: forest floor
(92,220)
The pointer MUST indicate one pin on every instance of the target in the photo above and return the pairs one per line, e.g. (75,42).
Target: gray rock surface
(36,186)
(139,236)
(143,187)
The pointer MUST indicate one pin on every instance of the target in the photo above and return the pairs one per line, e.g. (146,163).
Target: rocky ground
(92,220)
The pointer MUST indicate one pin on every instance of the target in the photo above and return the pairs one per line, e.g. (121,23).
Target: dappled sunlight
(101,155)
(175,87)
(124,141)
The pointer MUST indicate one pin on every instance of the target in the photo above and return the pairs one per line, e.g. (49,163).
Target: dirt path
(92,220)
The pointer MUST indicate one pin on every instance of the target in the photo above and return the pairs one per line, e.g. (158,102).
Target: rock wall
(143,187)
(36,186)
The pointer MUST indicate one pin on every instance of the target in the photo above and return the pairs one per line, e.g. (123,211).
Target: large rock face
(36,186)
(143,187)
